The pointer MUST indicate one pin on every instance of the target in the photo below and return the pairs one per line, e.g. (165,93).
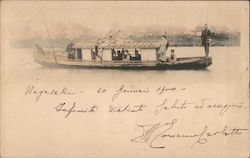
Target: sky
(25,19)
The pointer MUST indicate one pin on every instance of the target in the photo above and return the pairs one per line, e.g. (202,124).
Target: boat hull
(126,66)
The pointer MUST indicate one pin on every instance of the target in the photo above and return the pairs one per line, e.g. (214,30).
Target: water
(225,81)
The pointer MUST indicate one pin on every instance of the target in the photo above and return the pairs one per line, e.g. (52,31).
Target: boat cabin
(114,51)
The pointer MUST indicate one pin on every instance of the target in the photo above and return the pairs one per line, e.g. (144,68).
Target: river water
(224,82)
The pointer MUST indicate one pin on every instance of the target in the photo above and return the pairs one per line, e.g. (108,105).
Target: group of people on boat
(162,52)
(124,54)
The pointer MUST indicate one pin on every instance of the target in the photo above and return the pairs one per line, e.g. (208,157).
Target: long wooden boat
(112,46)
(60,59)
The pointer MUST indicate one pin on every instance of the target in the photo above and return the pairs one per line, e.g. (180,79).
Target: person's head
(172,51)
(110,35)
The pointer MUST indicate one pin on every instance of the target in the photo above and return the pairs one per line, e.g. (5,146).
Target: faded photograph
(124,79)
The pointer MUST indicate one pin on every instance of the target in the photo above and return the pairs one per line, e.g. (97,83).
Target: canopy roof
(118,40)
(85,44)
(112,44)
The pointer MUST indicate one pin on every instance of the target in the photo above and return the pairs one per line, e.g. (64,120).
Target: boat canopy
(85,45)
(128,44)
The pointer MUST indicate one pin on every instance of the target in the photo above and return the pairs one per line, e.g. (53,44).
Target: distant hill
(177,36)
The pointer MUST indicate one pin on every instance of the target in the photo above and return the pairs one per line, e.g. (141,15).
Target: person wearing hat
(205,35)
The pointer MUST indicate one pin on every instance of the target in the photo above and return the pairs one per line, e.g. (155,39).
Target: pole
(50,41)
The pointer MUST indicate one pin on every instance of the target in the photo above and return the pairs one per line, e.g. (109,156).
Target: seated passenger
(126,55)
(137,55)
(172,56)
(119,55)
(113,54)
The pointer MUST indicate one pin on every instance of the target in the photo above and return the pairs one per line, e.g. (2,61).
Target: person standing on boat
(100,52)
(205,35)
(99,47)
(161,53)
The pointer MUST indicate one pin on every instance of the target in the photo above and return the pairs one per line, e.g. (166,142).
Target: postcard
(124,79)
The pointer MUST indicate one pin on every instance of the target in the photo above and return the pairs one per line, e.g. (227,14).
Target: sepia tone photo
(124,79)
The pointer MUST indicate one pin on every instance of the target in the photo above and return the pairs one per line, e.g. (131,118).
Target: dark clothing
(119,55)
(206,47)
(205,40)
(172,56)
(138,57)
(79,54)
(205,36)
(71,55)
(114,56)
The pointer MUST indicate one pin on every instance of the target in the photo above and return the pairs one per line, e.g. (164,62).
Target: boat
(110,54)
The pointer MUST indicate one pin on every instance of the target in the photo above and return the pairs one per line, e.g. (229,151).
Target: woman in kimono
(161,53)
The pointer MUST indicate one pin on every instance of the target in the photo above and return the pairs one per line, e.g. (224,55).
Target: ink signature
(152,133)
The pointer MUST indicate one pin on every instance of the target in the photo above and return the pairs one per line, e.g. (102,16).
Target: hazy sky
(26,18)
